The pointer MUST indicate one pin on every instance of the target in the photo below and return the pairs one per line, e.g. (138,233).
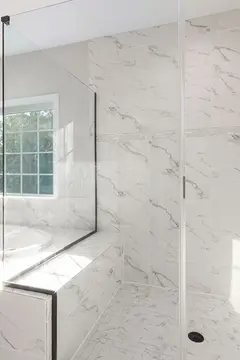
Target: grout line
(192,292)
(208,294)
(46,260)
(150,286)
(95,324)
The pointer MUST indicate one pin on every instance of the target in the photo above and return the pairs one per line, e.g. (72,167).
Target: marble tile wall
(25,326)
(136,76)
(212,153)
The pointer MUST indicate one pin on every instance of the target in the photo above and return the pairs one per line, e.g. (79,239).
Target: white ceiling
(78,20)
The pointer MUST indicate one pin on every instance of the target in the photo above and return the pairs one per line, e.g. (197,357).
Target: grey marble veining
(136,75)
(30,245)
(84,297)
(142,323)
(136,326)
(61,270)
(213,230)
(25,326)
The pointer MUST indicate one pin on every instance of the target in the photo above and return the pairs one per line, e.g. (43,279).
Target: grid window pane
(46,120)
(29,120)
(1,140)
(46,184)
(1,163)
(29,163)
(13,164)
(45,163)
(29,184)
(46,141)
(13,184)
(1,183)
(29,153)
(13,122)
(29,142)
(12,142)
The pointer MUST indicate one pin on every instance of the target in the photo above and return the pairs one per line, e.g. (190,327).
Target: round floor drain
(196,337)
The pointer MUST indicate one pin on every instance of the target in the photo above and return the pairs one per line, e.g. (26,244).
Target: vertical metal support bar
(54,327)
(3,140)
(5,22)
(95,160)
(182,250)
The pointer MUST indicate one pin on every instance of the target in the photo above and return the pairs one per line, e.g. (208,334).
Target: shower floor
(141,323)
(26,246)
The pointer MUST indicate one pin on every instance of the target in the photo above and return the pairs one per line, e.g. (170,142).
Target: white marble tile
(108,182)
(137,78)
(142,323)
(164,209)
(25,325)
(52,212)
(82,300)
(26,246)
(216,22)
(212,72)
(212,157)
(219,321)
(11,354)
(60,270)
(149,207)
(212,202)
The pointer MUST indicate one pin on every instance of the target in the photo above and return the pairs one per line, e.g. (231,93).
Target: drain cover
(196,337)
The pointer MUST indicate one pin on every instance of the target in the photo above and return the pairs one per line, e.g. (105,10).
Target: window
(29,150)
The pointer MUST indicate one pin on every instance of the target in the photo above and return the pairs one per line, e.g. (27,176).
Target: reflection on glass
(12,142)
(46,163)
(46,120)
(29,152)
(35,115)
(29,184)
(13,184)
(46,184)
(29,141)
(29,163)
(46,141)
(12,164)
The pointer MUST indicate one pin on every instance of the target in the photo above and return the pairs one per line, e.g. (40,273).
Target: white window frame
(18,105)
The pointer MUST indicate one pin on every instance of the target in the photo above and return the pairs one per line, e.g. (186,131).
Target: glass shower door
(213,197)
(1,153)
(49,151)
(138,76)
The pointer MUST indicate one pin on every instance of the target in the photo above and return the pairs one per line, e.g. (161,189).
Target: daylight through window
(29,152)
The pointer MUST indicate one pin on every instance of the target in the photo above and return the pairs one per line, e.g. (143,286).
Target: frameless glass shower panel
(213,200)
(49,143)
(1,155)
(145,91)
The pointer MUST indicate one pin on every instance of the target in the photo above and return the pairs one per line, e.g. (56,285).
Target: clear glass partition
(147,85)
(1,157)
(168,137)
(49,150)
(50,153)
(212,135)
